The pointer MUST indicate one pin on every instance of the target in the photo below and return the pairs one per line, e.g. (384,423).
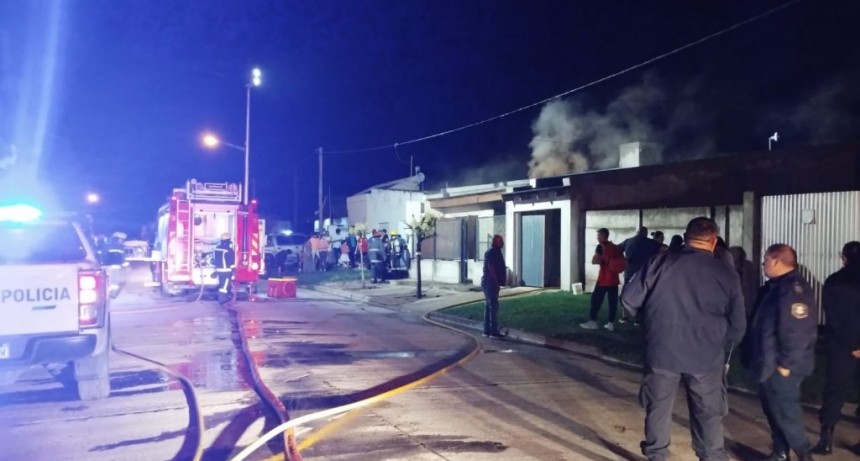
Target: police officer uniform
(224,262)
(693,314)
(782,334)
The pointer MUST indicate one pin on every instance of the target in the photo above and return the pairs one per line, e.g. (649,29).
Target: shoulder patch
(798,288)
(799,310)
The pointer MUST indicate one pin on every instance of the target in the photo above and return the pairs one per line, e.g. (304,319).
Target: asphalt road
(510,402)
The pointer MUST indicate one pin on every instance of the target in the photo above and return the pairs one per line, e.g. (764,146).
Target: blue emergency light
(19,213)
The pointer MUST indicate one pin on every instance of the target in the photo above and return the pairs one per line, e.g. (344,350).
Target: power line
(577,89)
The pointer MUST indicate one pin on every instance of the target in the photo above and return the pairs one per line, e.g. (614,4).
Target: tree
(422,228)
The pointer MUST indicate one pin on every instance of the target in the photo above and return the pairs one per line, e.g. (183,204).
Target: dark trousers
(780,400)
(597,300)
(352,257)
(706,398)
(491,310)
(378,268)
(225,285)
(839,374)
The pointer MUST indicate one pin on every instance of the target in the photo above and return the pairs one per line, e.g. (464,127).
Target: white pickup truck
(54,298)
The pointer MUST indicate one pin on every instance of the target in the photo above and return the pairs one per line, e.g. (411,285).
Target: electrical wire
(577,89)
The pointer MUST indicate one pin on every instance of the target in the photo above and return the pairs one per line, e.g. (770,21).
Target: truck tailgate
(39,298)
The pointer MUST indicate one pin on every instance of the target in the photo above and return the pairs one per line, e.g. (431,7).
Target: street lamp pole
(247,142)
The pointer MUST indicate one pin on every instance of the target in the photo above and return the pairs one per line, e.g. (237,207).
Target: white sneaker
(609,326)
(589,325)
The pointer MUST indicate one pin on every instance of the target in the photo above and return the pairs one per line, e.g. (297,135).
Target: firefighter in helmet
(115,249)
(224,261)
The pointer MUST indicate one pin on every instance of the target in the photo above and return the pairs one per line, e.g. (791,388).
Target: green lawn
(307,279)
(559,314)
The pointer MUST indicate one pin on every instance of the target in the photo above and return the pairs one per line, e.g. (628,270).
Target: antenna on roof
(771,139)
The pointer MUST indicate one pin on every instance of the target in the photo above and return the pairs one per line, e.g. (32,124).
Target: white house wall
(512,244)
(380,208)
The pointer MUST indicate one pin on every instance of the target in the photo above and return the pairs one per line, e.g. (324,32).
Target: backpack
(617,263)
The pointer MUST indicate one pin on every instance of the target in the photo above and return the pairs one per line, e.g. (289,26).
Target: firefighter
(224,261)
(375,253)
(782,350)
(398,251)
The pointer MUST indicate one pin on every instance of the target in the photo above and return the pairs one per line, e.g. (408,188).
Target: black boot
(805,456)
(778,455)
(825,441)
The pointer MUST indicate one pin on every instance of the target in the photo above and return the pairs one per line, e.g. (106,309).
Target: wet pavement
(329,348)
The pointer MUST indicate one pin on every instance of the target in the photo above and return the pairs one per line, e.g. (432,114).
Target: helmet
(225,236)
(393,233)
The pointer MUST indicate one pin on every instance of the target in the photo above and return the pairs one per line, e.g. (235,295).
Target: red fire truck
(189,228)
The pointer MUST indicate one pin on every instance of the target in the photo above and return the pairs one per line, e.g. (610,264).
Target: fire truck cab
(189,228)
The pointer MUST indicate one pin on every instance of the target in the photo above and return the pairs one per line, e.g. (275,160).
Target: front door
(532,249)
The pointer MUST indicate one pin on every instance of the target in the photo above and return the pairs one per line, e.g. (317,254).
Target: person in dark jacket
(841,303)
(782,349)
(637,250)
(224,260)
(676,243)
(492,281)
(376,255)
(693,315)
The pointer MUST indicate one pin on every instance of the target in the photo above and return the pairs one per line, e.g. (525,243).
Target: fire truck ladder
(183,236)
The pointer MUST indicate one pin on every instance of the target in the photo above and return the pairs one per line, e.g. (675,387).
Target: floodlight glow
(256,73)
(93,198)
(19,213)
(210,140)
(287,232)
(257,77)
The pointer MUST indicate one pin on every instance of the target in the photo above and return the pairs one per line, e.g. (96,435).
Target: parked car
(283,253)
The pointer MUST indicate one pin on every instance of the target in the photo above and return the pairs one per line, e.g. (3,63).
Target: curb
(583,351)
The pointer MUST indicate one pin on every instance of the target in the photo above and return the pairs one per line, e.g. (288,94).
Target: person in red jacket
(611,261)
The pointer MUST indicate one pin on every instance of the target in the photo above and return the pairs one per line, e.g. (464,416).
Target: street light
(212,141)
(93,198)
(256,80)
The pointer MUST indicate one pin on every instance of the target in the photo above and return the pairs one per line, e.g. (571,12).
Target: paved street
(320,350)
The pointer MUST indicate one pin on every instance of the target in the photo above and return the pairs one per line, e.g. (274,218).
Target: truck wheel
(92,375)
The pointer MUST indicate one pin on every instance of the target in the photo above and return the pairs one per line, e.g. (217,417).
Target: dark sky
(137,81)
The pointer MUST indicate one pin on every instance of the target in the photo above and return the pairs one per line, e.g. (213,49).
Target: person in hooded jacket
(492,281)
(841,303)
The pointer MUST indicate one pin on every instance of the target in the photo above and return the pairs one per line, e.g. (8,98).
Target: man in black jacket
(693,315)
(841,303)
(492,281)
(782,349)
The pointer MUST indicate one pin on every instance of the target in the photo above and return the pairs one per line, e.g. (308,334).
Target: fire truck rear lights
(19,213)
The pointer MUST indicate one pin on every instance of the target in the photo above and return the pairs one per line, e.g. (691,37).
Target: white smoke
(829,113)
(569,139)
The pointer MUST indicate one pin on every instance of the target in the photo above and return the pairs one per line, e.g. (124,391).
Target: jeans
(597,300)
(491,310)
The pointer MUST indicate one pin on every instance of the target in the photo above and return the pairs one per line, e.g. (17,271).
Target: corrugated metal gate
(532,249)
(816,226)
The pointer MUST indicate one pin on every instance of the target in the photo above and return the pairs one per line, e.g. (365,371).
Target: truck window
(40,243)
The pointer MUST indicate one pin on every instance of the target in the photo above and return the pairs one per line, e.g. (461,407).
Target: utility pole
(295,200)
(320,191)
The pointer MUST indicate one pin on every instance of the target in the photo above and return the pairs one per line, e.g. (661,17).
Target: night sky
(136,82)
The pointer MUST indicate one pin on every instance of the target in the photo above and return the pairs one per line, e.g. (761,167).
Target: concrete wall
(623,224)
(437,270)
(379,208)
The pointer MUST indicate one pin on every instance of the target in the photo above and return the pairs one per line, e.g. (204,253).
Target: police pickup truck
(54,301)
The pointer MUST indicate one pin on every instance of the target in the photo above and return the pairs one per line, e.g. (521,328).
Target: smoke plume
(826,115)
(568,138)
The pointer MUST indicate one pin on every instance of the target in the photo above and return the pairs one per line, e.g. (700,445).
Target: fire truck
(189,228)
